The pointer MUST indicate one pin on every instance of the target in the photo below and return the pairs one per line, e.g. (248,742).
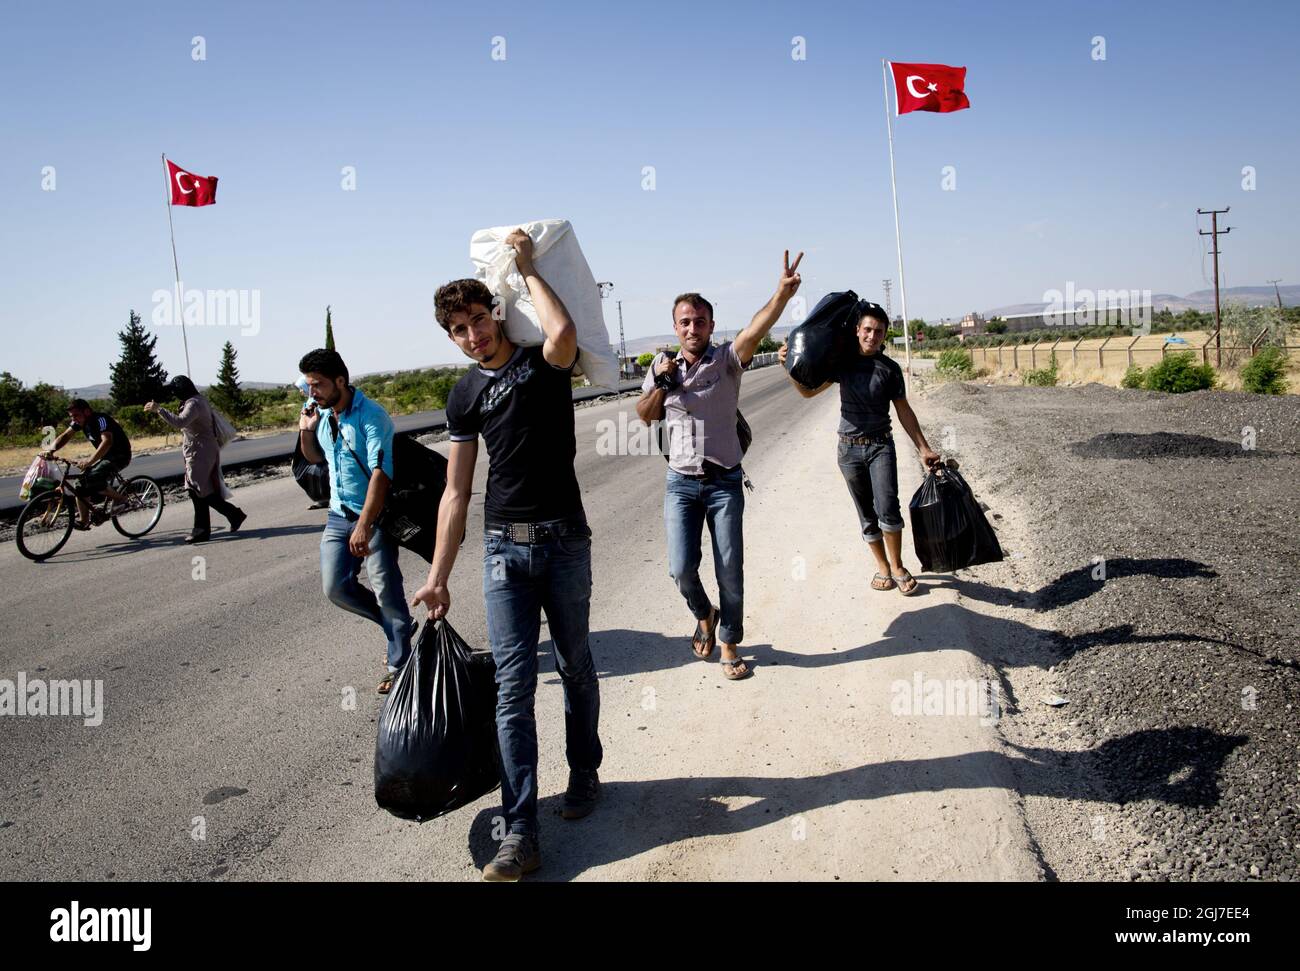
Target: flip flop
(903,579)
(729,668)
(706,639)
(888,581)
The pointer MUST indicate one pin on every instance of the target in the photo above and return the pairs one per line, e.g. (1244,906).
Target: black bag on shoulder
(816,345)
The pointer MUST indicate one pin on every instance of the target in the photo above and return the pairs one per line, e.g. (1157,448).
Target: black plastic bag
(313,477)
(437,748)
(948,526)
(816,345)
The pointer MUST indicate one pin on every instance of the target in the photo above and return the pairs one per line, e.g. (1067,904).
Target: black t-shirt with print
(119,453)
(868,383)
(524,411)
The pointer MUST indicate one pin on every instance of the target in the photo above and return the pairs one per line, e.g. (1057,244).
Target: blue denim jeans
(385,602)
(688,505)
(520,582)
(871,472)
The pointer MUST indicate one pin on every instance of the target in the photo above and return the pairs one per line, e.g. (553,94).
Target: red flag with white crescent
(189,189)
(929,87)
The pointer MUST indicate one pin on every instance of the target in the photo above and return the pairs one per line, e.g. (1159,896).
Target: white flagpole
(180,307)
(898,233)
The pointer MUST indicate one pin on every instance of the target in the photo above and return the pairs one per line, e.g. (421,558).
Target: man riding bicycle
(112,455)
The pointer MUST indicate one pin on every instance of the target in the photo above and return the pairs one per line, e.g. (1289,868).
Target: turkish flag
(189,189)
(928,87)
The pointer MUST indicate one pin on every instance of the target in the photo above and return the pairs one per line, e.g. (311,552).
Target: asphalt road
(239,710)
(169,465)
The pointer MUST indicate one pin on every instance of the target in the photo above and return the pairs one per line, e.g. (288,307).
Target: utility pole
(1277,292)
(888,284)
(604,286)
(622,341)
(1215,232)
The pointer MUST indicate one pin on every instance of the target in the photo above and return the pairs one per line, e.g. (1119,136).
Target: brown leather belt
(866,439)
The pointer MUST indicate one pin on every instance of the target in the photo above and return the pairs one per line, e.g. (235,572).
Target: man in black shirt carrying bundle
(537,545)
(869,381)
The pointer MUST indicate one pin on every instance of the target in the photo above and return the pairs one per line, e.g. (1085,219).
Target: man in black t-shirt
(537,545)
(112,454)
(869,382)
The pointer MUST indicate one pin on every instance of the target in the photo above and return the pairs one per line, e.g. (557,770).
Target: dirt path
(814,768)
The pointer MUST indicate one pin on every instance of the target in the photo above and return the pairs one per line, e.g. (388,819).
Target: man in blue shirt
(354,435)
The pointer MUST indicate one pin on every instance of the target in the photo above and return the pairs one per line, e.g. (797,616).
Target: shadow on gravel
(1177,766)
(1162,445)
(1078,584)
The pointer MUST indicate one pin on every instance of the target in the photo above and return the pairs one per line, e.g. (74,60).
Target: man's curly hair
(458,295)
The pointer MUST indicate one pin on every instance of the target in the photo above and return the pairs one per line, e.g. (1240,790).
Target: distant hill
(94,391)
(1199,300)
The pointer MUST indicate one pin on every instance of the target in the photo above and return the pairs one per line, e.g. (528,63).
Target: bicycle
(45,523)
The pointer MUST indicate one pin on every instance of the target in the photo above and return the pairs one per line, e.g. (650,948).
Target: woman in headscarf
(202,453)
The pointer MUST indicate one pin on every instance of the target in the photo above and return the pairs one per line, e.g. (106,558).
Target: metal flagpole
(180,307)
(898,233)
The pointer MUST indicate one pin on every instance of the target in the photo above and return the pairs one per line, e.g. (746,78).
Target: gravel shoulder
(1151,584)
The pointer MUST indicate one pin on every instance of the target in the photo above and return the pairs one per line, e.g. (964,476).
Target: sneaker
(580,798)
(517,855)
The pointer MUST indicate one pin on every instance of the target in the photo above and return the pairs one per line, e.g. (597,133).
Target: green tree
(767,345)
(1265,373)
(645,359)
(137,377)
(1177,374)
(995,325)
(226,394)
(329,330)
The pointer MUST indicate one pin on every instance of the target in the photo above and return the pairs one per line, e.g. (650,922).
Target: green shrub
(1265,373)
(955,362)
(645,359)
(1134,377)
(1179,373)
(136,421)
(1043,377)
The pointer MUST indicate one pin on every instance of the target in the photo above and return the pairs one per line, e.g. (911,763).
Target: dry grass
(15,461)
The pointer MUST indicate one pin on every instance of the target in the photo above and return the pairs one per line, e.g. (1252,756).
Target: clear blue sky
(1067,168)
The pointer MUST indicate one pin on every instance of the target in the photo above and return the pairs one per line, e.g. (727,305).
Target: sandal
(729,666)
(882,582)
(903,582)
(386,685)
(702,643)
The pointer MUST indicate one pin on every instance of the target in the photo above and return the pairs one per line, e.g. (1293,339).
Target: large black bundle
(410,513)
(437,748)
(823,339)
(948,526)
(419,479)
(313,477)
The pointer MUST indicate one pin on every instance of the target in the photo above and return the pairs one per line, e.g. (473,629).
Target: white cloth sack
(560,262)
(222,428)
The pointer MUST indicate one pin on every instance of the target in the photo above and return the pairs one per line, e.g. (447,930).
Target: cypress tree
(137,377)
(226,393)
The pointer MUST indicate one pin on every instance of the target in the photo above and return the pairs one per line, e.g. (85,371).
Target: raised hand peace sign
(790,278)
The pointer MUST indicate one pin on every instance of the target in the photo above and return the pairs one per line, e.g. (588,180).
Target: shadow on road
(1176,766)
